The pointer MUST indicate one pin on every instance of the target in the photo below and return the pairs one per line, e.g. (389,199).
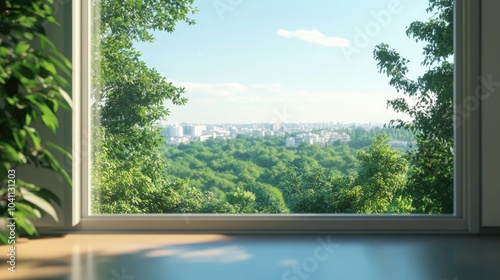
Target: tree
(242,201)
(430,182)
(128,100)
(314,189)
(302,188)
(382,177)
(378,189)
(268,199)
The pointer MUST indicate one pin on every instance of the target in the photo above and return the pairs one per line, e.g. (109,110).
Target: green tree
(378,189)
(128,100)
(243,201)
(430,182)
(314,189)
(268,199)
(382,177)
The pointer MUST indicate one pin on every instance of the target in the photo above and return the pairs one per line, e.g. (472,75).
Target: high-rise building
(192,130)
(175,131)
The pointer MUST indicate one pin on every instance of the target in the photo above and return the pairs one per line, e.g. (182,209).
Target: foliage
(139,191)
(242,200)
(382,177)
(307,179)
(313,189)
(268,199)
(430,182)
(377,189)
(128,100)
(32,77)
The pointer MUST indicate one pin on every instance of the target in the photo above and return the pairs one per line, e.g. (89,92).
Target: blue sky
(266,61)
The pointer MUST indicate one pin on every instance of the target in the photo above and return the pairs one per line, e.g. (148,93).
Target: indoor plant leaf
(39,202)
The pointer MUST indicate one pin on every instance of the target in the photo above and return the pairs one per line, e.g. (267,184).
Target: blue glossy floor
(173,257)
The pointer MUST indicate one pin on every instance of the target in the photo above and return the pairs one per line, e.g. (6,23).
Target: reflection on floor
(172,257)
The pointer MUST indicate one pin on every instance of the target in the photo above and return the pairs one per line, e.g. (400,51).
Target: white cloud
(230,91)
(234,102)
(275,87)
(314,36)
(295,106)
(313,106)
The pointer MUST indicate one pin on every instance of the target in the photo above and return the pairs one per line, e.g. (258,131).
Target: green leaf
(34,137)
(62,82)
(22,157)
(4,51)
(26,21)
(60,66)
(19,138)
(53,20)
(23,215)
(45,41)
(61,150)
(50,120)
(22,47)
(66,97)
(4,231)
(28,119)
(28,35)
(47,115)
(54,164)
(11,152)
(40,203)
(48,66)
(27,210)
(10,100)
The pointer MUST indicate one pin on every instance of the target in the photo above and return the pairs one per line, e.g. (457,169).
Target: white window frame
(467,158)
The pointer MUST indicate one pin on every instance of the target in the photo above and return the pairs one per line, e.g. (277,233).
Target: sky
(269,61)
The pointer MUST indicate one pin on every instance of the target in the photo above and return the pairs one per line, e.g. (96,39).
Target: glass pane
(281,106)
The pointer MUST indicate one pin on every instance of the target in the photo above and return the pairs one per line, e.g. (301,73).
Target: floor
(172,257)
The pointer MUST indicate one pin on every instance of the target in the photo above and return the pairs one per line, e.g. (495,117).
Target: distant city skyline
(285,61)
(294,134)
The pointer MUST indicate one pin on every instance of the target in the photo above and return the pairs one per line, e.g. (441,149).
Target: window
(465,193)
